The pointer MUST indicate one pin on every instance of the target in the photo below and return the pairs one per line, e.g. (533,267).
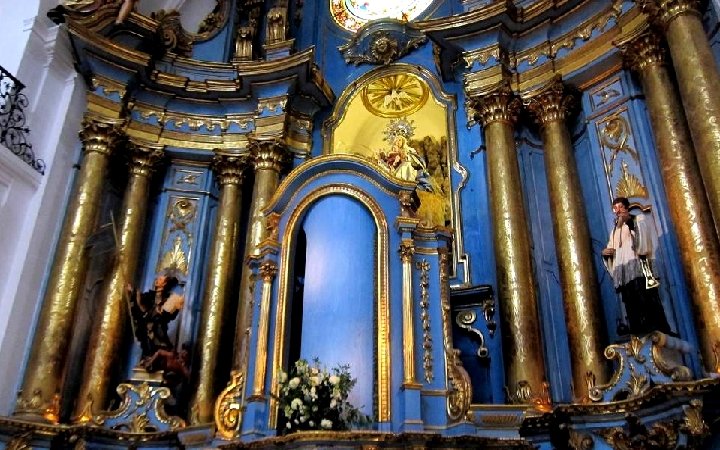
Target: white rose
(333,403)
(311,423)
(283,377)
(334,379)
(296,403)
(295,382)
(314,381)
(327,424)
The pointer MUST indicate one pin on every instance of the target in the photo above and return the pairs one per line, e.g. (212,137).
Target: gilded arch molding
(382,288)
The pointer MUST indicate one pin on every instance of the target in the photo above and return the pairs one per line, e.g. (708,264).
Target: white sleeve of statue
(645,236)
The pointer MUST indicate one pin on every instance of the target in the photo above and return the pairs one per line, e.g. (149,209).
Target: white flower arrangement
(311,398)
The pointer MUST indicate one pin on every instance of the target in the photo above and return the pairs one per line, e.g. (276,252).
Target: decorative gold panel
(621,160)
(395,95)
(177,241)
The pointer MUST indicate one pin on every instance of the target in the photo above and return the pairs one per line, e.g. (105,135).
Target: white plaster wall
(31,205)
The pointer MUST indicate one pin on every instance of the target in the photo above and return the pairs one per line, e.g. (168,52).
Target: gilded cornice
(501,11)
(206,142)
(108,86)
(549,49)
(244,121)
(132,58)
(584,31)
(578,57)
(484,55)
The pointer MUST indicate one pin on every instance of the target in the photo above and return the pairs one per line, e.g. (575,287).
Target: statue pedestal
(642,363)
(143,406)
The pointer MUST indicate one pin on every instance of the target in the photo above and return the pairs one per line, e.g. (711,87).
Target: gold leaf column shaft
(269,156)
(407,249)
(497,112)
(221,266)
(550,107)
(688,204)
(43,373)
(268,271)
(699,83)
(107,337)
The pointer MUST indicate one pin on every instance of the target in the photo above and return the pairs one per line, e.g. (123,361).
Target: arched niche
(370,106)
(362,181)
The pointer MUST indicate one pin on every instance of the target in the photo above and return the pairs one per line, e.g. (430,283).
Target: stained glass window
(352,14)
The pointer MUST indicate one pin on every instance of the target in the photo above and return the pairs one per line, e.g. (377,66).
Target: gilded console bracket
(229,407)
(642,363)
(142,410)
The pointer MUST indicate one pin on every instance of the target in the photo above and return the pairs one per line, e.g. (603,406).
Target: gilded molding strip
(424,268)
(382,294)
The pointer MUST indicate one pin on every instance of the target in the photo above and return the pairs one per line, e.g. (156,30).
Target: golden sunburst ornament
(395,95)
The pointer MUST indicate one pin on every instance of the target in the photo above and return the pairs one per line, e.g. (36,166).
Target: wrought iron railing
(13,124)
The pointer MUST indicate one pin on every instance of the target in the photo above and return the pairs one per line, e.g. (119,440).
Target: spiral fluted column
(687,202)
(551,106)
(497,111)
(699,83)
(39,397)
(107,336)
(221,266)
(268,156)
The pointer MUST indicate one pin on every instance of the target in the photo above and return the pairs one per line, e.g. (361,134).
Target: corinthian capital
(550,103)
(268,153)
(229,168)
(663,12)
(642,50)
(144,156)
(101,135)
(498,104)
(268,270)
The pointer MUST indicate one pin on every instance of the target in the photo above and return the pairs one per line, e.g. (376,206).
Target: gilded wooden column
(268,156)
(221,266)
(497,111)
(39,397)
(107,337)
(407,250)
(551,106)
(699,83)
(268,271)
(686,198)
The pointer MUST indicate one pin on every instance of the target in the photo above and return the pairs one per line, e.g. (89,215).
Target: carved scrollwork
(21,442)
(382,42)
(174,38)
(641,364)
(636,435)
(460,394)
(228,407)
(465,319)
(142,410)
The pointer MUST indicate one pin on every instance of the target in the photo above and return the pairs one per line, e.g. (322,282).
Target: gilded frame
(382,294)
